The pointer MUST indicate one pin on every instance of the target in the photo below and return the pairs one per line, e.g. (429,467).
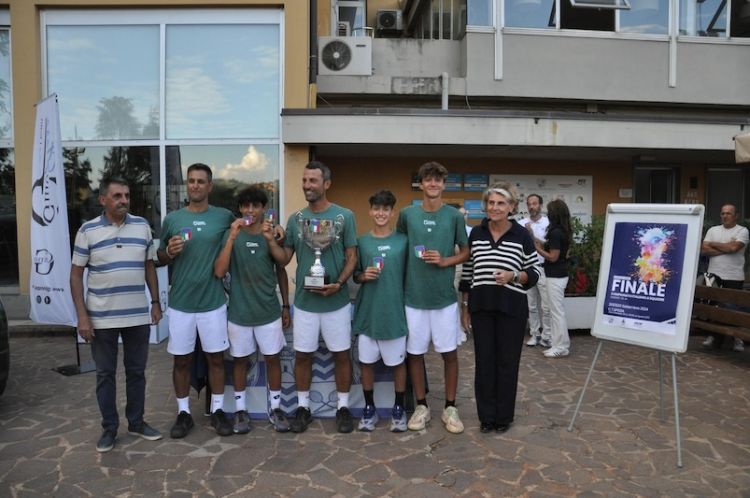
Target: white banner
(51,301)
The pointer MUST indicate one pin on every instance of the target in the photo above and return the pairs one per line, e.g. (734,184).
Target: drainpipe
(313,76)
(445,80)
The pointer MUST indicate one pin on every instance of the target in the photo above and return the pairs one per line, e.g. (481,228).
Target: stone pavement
(49,425)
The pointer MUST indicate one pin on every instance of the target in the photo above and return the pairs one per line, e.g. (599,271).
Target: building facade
(642,101)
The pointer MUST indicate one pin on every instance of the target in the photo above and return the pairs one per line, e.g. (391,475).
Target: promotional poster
(643,286)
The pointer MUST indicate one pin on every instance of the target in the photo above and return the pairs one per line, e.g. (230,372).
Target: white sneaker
(708,342)
(739,346)
(419,418)
(534,341)
(556,352)
(451,420)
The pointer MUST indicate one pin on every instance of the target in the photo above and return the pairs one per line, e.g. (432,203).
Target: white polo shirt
(728,266)
(539,227)
(115,256)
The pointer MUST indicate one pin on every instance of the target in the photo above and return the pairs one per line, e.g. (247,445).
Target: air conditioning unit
(389,21)
(343,28)
(345,55)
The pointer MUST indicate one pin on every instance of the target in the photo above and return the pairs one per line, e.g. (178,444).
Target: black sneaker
(344,420)
(182,426)
(145,431)
(302,418)
(221,423)
(279,420)
(107,441)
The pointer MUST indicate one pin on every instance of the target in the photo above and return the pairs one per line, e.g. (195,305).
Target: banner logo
(44,203)
(44,261)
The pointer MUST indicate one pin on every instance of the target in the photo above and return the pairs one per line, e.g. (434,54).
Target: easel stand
(661,397)
(76,368)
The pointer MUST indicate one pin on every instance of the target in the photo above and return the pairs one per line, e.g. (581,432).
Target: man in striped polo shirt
(117,250)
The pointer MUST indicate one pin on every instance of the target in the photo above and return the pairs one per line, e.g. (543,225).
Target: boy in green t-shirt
(255,317)
(434,230)
(379,309)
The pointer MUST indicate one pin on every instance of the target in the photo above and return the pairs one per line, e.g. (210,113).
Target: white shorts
(268,337)
(442,326)
(393,351)
(211,326)
(336,327)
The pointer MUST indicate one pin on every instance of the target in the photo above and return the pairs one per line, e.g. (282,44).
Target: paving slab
(49,425)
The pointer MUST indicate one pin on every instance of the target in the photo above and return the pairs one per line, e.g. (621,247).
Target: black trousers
(498,341)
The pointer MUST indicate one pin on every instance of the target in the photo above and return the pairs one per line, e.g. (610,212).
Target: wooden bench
(720,319)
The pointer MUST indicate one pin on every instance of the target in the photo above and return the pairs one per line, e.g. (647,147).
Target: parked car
(4,349)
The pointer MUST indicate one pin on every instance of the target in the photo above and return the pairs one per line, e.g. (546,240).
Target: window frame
(672,31)
(164,18)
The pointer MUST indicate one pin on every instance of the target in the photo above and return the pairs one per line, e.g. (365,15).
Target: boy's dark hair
(325,170)
(109,180)
(251,195)
(201,167)
(383,198)
(432,169)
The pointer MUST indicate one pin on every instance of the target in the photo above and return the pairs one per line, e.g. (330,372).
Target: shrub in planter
(584,256)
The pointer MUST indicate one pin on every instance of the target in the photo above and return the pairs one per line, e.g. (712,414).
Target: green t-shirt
(252,295)
(427,286)
(194,288)
(333,258)
(379,308)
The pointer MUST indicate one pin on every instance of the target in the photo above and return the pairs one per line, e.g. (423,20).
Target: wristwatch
(516,275)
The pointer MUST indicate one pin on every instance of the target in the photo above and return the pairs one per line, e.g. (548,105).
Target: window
(442,19)
(479,13)
(645,16)
(149,94)
(530,13)
(8,226)
(625,16)
(655,184)
(724,185)
(703,17)
(709,18)
(351,12)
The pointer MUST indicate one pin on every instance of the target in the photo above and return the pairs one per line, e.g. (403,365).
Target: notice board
(647,274)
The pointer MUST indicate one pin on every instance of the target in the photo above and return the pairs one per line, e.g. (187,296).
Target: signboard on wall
(647,274)
(575,190)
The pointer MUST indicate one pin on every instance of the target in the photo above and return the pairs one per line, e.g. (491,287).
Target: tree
(116,120)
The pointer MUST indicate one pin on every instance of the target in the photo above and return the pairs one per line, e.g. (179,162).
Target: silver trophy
(318,235)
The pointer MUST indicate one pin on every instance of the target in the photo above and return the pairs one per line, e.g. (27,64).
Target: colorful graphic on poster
(643,286)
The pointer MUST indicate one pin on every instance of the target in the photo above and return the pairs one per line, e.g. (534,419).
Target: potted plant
(585,256)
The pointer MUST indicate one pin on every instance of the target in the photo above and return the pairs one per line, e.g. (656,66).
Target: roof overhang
(504,128)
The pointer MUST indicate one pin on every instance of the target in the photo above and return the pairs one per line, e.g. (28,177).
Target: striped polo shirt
(115,256)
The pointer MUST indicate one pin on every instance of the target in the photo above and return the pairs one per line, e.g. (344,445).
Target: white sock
(275,397)
(239,401)
(217,402)
(343,400)
(303,399)
(183,405)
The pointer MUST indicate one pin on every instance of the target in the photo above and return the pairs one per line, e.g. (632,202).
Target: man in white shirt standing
(536,223)
(725,246)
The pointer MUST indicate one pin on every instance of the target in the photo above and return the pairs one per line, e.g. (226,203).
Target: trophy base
(316,283)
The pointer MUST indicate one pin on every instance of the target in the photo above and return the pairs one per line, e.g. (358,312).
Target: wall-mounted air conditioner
(343,28)
(345,55)
(389,21)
